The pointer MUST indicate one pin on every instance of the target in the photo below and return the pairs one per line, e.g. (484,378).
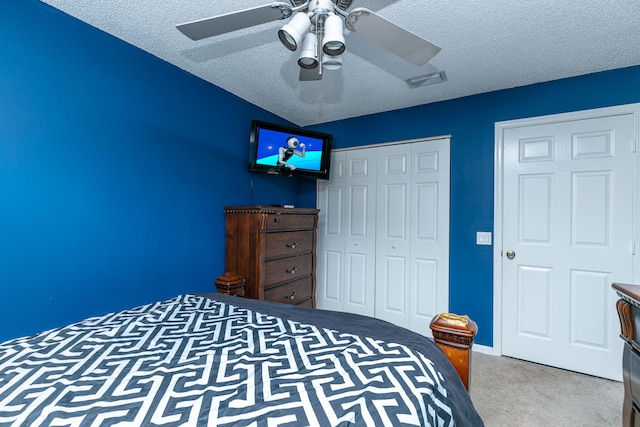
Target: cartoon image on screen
(285,153)
(284,150)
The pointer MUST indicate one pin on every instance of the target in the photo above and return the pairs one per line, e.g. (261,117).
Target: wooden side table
(454,334)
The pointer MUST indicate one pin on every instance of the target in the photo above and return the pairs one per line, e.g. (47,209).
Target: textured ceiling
(486,46)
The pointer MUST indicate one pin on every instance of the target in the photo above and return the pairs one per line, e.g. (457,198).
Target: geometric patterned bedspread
(193,361)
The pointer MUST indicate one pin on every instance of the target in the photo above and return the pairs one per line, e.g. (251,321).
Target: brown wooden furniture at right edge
(628,307)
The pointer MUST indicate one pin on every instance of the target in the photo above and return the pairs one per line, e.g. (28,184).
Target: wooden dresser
(629,313)
(274,249)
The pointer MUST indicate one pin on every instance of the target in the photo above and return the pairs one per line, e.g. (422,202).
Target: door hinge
(635,145)
(633,248)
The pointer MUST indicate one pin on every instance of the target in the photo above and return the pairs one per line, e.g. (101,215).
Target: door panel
(330,251)
(568,199)
(392,245)
(356,262)
(427,206)
(331,267)
(588,289)
(534,301)
(424,286)
(535,222)
(357,292)
(429,238)
(346,234)
(360,239)
(592,202)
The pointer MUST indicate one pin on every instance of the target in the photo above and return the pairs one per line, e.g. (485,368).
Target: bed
(213,359)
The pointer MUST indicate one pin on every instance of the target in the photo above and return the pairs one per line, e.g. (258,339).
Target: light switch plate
(483,238)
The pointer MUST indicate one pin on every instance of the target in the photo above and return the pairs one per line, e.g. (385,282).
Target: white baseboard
(485,349)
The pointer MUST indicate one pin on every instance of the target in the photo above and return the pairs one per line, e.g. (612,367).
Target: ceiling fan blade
(390,36)
(307,75)
(209,27)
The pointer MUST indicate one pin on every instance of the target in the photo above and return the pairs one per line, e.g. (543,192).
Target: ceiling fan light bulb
(308,54)
(333,48)
(293,31)
(333,41)
(307,63)
(288,41)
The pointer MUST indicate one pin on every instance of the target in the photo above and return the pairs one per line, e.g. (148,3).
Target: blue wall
(470,122)
(114,171)
(115,167)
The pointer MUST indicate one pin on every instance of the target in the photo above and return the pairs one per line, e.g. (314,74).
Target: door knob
(511,254)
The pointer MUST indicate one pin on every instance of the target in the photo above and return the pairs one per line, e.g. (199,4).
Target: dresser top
(271,210)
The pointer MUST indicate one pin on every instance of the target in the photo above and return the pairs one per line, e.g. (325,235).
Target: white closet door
(429,232)
(331,236)
(412,243)
(360,242)
(383,246)
(346,248)
(393,239)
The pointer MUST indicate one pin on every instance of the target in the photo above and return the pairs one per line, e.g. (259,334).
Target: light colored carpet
(511,392)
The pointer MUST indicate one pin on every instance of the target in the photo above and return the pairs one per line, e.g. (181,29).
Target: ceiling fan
(318,20)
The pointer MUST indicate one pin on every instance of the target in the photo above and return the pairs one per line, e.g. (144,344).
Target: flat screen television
(289,151)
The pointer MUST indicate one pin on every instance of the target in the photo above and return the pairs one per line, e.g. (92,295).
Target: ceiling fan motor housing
(340,4)
(319,10)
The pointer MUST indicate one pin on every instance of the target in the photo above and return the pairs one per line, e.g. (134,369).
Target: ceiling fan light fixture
(332,62)
(292,32)
(308,54)
(327,20)
(333,41)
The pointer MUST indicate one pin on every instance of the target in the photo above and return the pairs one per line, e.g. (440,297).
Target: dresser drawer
(277,222)
(288,243)
(633,365)
(294,292)
(285,269)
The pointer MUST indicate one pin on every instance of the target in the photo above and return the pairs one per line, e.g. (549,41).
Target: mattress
(211,359)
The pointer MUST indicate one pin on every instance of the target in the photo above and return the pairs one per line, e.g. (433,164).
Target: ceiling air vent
(427,79)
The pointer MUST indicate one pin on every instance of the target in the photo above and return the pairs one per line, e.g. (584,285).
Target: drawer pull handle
(276,220)
(292,245)
(292,296)
(292,270)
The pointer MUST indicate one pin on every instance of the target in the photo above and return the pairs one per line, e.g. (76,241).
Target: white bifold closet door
(383,234)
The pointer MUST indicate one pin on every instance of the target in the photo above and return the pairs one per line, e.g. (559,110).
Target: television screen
(285,150)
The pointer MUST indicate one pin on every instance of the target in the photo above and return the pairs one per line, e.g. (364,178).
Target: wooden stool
(454,334)
(230,284)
